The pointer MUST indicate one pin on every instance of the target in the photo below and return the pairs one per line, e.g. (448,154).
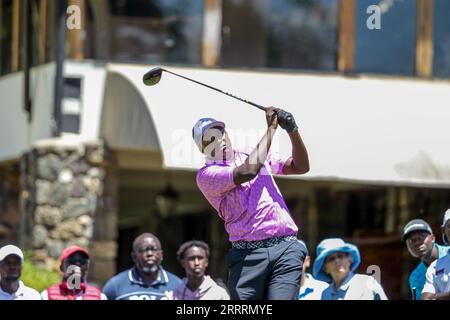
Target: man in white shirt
(11,288)
(437,286)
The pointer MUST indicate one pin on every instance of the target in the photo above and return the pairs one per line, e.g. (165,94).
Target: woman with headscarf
(336,263)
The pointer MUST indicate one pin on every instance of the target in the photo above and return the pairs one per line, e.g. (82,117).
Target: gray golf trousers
(271,273)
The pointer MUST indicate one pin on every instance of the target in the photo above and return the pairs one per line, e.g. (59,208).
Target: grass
(38,278)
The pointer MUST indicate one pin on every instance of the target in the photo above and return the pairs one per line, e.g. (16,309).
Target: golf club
(153,77)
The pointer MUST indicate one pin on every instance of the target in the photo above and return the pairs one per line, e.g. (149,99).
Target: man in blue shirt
(420,242)
(147,280)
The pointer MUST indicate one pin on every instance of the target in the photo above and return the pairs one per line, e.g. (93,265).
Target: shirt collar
(207,284)
(344,286)
(19,292)
(134,277)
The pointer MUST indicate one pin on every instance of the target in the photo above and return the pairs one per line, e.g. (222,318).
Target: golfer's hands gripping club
(286,120)
(272,118)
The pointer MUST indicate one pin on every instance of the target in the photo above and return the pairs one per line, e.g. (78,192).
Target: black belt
(250,245)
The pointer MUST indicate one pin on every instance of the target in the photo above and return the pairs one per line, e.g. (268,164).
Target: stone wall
(67,190)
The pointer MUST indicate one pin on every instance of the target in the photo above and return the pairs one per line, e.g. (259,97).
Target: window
(71,105)
(153,31)
(303,34)
(391,49)
(441,60)
(296,34)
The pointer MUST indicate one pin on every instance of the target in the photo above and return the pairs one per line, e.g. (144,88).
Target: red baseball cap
(67,252)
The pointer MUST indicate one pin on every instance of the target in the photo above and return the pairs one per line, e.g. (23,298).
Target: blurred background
(90,156)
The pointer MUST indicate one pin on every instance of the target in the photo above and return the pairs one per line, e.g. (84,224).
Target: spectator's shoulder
(442,250)
(122,277)
(441,262)
(32,294)
(418,271)
(173,277)
(223,293)
(178,290)
(44,295)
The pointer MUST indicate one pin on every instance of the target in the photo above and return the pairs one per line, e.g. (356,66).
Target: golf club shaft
(218,90)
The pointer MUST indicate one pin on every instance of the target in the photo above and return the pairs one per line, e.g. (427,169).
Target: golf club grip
(218,90)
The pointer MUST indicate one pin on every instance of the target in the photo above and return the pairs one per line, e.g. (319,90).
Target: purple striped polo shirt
(254,210)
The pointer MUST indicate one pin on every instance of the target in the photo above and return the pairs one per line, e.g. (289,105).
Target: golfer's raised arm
(250,168)
(298,163)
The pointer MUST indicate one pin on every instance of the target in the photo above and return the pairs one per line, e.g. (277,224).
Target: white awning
(377,130)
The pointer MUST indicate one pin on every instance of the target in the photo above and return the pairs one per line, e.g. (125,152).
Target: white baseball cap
(446,218)
(9,250)
(201,126)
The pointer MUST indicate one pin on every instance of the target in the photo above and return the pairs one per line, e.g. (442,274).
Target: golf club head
(153,76)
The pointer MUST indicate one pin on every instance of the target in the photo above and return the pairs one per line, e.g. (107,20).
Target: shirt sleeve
(379,293)
(110,289)
(377,289)
(177,293)
(225,295)
(275,162)
(34,295)
(429,279)
(215,180)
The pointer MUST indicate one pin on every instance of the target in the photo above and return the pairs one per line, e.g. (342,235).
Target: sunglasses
(77,260)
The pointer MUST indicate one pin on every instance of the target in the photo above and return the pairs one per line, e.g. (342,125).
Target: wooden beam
(15,49)
(404,212)
(76,49)
(346,55)
(424,40)
(212,32)
(312,221)
(102,32)
(42,30)
(391,210)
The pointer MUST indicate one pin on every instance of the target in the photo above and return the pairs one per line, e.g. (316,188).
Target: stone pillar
(69,193)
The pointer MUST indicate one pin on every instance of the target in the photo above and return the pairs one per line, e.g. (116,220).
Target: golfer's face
(216,144)
(420,243)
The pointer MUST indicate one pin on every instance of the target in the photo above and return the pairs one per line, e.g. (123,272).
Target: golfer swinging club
(266,259)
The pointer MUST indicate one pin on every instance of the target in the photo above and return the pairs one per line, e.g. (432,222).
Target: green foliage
(37,277)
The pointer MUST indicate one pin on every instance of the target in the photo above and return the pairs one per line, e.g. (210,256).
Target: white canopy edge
(378,130)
